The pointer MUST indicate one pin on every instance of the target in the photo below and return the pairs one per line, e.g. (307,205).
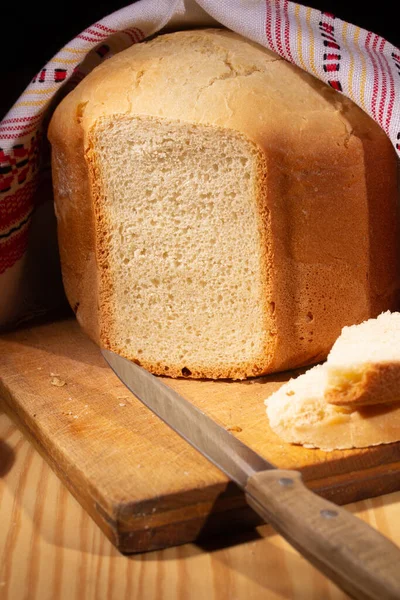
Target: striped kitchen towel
(360,64)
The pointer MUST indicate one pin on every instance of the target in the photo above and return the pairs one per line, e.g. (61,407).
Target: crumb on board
(55,380)
(122,404)
(235,428)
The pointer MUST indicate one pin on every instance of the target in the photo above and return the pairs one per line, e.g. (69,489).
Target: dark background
(32,33)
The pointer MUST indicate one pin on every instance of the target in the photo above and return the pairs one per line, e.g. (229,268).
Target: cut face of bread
(183,246)
(299,414)
(363,366)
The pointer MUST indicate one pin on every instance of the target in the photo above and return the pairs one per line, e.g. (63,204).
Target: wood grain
(50,549)
(142,484)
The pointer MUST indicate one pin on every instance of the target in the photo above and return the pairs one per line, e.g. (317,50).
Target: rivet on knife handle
(358,558)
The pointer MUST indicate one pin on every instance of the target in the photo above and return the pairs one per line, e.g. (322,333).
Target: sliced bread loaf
(221,213)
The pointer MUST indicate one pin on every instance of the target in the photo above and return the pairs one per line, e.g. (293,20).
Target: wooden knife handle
(356,557)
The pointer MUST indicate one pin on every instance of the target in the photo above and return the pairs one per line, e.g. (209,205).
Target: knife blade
(356,557)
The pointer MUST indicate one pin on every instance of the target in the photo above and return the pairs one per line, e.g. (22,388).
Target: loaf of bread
(220,212)
(361,376)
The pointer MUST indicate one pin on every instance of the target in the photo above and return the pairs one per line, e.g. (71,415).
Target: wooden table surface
(50,549)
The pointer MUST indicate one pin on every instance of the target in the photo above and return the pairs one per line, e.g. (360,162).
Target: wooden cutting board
(144,486)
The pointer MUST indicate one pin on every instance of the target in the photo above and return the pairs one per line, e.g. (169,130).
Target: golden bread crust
(378,384)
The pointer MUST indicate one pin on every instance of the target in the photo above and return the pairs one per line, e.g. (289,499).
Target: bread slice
(363,366)
(299,413)
(220,212)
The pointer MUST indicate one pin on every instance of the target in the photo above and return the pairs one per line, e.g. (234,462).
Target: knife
(361,561)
